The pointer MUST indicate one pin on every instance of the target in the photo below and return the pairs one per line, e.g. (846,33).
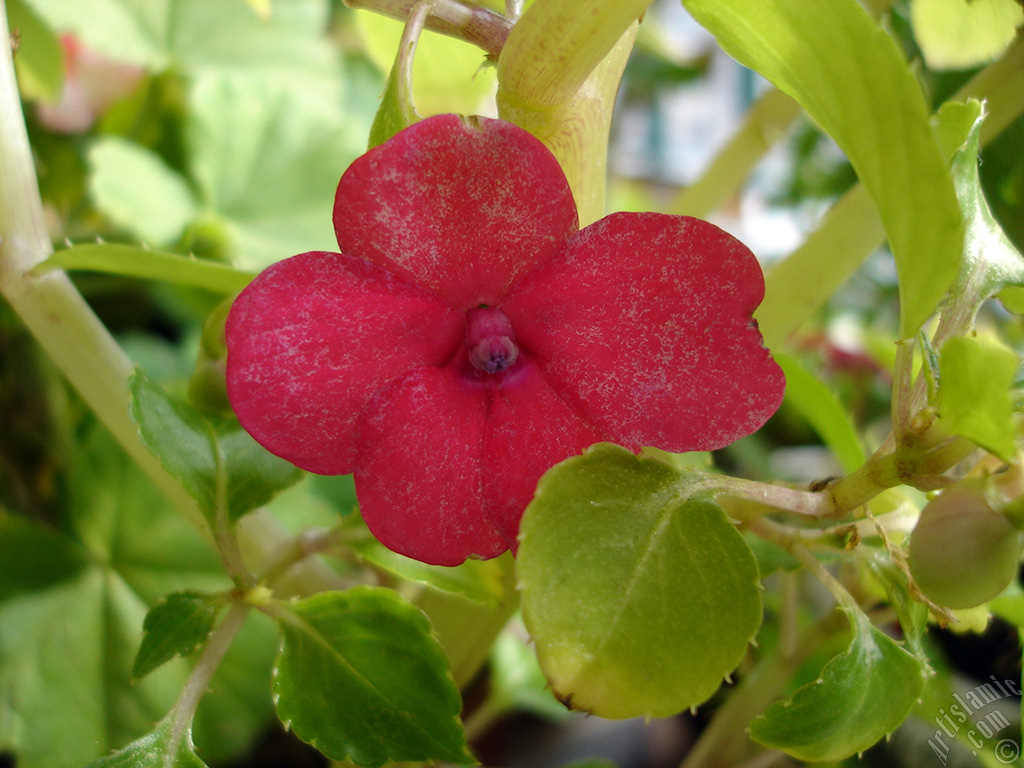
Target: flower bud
(963,552)
(207,389)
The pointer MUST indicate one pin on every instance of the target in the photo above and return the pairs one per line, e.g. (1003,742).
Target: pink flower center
(490,340)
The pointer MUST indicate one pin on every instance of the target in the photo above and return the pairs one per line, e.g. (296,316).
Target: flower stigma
(490,340)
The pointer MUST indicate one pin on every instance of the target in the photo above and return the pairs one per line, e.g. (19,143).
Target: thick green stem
(902,407)
(557,77)
(556,46)
(50,306)
(919,466)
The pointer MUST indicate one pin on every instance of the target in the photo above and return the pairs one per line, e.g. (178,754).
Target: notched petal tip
(657,344)
(463,206)
(472,122)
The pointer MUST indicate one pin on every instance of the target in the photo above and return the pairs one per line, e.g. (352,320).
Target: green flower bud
(207,389)
(963,552)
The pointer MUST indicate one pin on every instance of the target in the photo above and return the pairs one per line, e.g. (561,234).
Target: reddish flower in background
(92,84)
(469,336)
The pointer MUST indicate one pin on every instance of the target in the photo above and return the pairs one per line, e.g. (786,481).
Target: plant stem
(264,542)
(810,503)
(295,551)
(799,284)
(558,44)
(767,121)
(130,261)
(483,717)
(224,533)
(918,463)
(199,681)
(557,78)
(51,307)
(902,407)
(480,26)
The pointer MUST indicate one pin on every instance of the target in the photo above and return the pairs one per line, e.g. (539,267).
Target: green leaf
(1009,606)
(361,676)
(137,190)
(218,462)
(40,59)
(270,122)
(34,557)
(975,376)
(479,581)
(262,8)
(861,695)
(850,77)
(106,25)
(266,158)
(960,34)
(175,626)
(67,637)
(397,110)
(953,124)
(202,35)
(818,404)
(912,614)
(163,748)
(132,261)
(639,593)
(990,261)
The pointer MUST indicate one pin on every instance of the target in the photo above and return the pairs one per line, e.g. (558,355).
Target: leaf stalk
(480,26)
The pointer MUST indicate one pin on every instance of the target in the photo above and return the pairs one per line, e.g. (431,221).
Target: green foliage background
(232,122)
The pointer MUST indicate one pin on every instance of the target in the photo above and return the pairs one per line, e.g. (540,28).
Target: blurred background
(220,128)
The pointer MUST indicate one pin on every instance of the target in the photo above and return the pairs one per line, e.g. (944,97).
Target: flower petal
(529,430)
(310,341)
(419,475)
(644,324)
(461,207)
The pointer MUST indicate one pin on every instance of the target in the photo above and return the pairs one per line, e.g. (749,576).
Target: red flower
(469,336)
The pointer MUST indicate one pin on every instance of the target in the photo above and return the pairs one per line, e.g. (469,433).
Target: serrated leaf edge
(418,617)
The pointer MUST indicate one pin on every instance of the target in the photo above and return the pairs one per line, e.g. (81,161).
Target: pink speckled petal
(463,208)
(529,430)
(310,341)
(419,476)
(654,342)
